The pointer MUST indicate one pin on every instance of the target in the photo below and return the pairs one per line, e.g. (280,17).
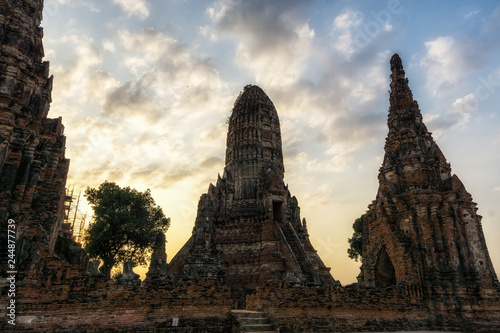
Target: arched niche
(385,275)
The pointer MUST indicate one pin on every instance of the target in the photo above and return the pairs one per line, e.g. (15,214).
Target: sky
(145,88)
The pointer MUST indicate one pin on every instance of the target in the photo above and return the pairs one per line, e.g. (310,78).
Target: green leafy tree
(125,226)
(355,250)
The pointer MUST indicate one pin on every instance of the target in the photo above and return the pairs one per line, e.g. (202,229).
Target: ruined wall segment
(248,221)
(422,230)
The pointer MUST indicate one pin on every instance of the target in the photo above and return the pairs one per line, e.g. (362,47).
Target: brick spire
(253,142)
(404,114)
(26,85)
(33,166)
(408,138)
(423,229)
(249,223)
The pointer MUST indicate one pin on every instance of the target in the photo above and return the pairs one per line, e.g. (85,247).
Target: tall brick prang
(422,230)
(248,224)
(33,167)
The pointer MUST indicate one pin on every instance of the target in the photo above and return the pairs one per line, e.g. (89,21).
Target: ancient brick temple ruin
(422,230)
(426,266)
(423,252)
(248,229)
(33,168)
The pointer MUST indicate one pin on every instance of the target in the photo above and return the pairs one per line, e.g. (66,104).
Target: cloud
(274,38)
(462,109)
(212,161)
(471,13)
(216,134)
(134,7)
(450,59)
(176,174)
(130,99)
(99,82)
(357,32)
(343,26)
(179,78)
(321,197)
(163,176)
(341,111)
(457,115)
(335,119)
(98,173)
(277,44)
(77,77)
(108,45)
(166,115)
(445,64)
(265,23)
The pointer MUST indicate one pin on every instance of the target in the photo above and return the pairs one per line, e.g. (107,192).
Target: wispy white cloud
(343,31)
(81,79)
(172,105)
(274,37)
(457,116)
(462,109)
(444,63)
(134,7)
(472,13)
(448,60)
(108,45)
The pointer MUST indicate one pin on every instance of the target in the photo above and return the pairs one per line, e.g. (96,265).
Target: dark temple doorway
(278,211)
(385,275)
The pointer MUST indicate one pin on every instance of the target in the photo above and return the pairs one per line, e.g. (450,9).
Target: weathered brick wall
(320,309)
(96,304)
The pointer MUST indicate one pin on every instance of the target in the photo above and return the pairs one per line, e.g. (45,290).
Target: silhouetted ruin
(422,230)
(248,229)
(425,261)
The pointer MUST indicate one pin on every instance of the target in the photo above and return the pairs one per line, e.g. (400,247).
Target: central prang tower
(248,229)
(253,152)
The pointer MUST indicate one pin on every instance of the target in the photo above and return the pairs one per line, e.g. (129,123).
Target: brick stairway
(253,321)
(298,251)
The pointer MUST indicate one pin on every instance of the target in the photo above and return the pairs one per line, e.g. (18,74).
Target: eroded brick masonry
(426,265)
(248,229)
(422,230)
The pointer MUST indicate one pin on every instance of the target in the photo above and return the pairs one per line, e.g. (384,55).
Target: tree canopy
(355,250)
(126,223)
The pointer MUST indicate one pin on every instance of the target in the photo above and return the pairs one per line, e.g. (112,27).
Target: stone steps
(253,321)
(298,250)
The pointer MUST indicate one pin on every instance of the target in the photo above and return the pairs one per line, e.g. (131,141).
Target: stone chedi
(157,272)
(248,228)
(33,168)
(422,230)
